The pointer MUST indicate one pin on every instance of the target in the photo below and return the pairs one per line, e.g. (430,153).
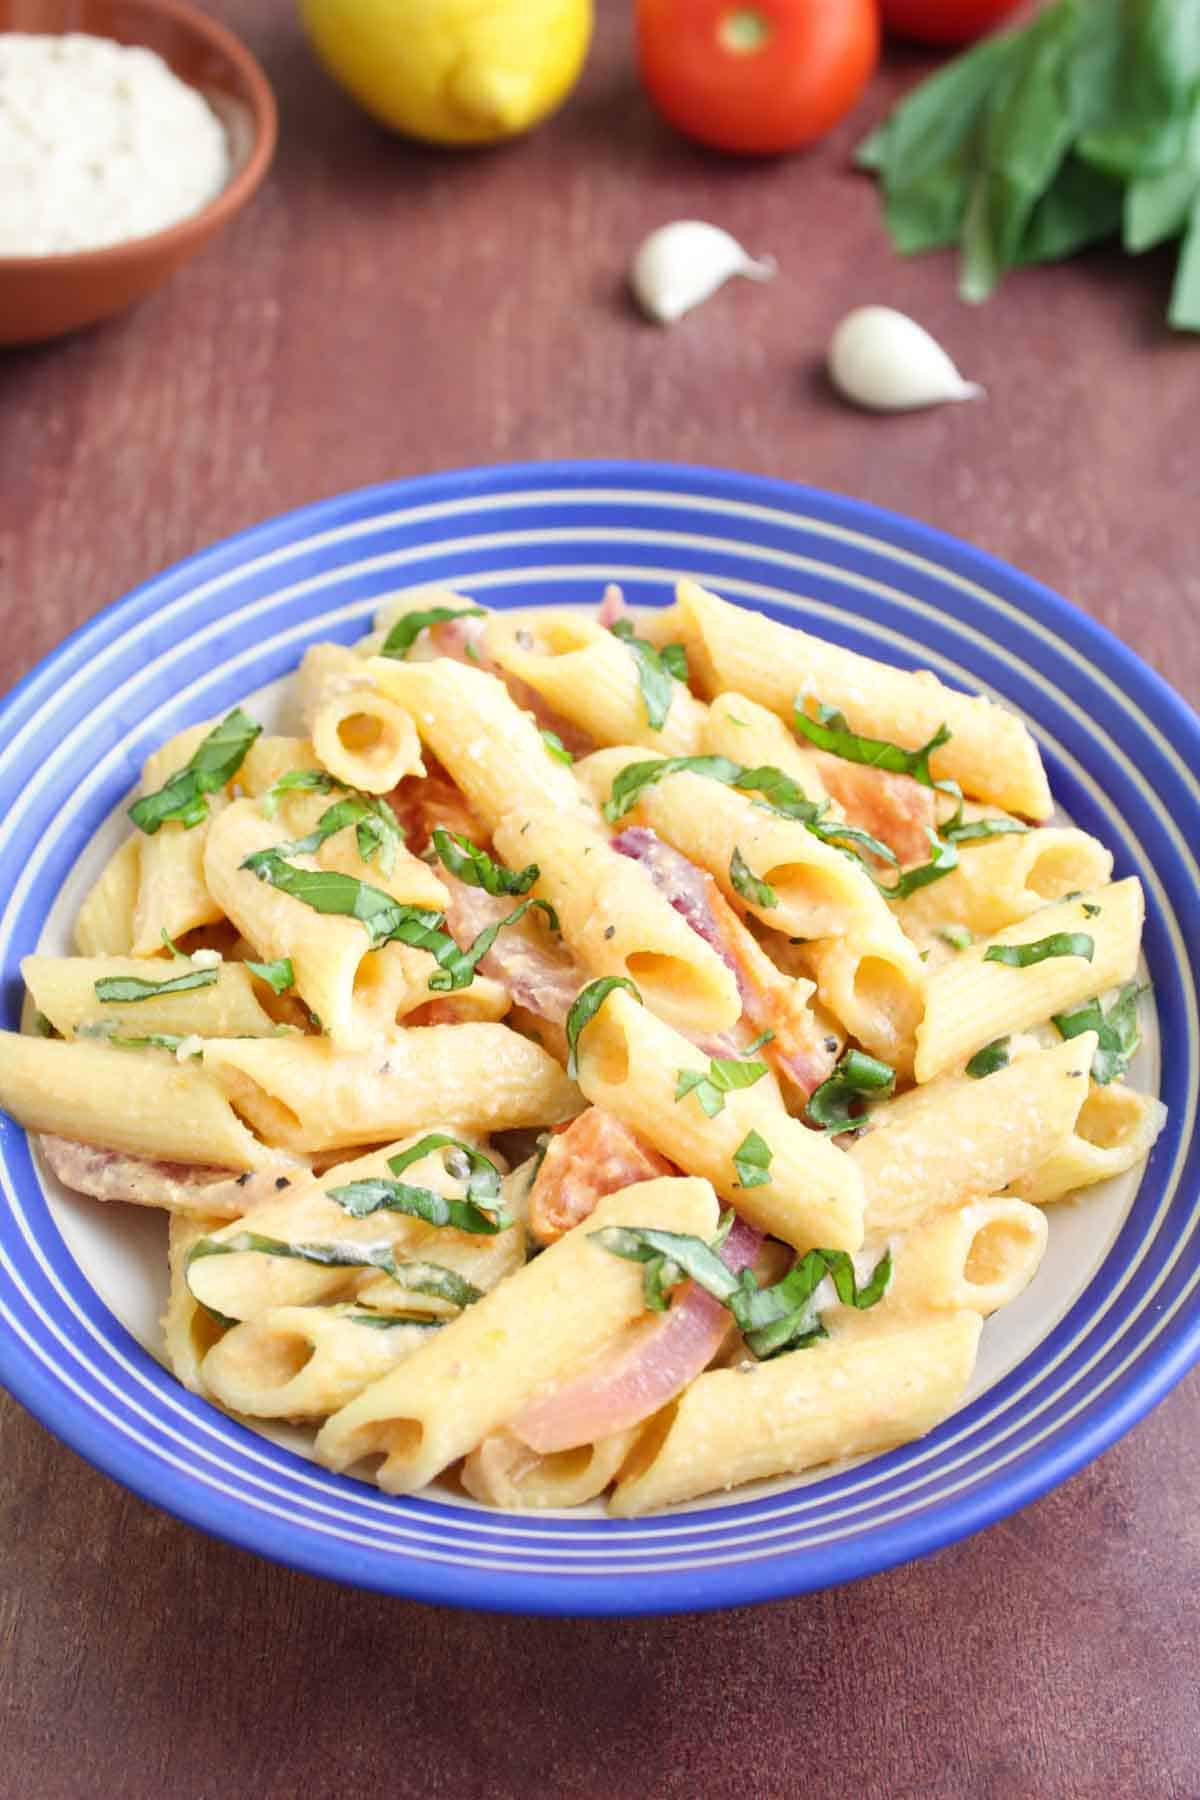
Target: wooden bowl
(43,296)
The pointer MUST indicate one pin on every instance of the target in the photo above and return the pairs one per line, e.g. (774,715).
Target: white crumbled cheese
(207,959)
(188,1047)
(99,143)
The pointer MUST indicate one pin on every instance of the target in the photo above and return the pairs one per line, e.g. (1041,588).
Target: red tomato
(757,76)
(944,21)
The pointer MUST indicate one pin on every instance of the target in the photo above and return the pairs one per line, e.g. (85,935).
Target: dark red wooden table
(381,311)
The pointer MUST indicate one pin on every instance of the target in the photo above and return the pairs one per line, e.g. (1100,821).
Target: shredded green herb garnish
(723,1076)
(773,1319)
(310,781)
(278,975)
(658,671)
(1059,943)
(376,830)
(556,748)
(832,1106)
(473,865)
(152,1040)
(993,1056)
(1117,1030)
(178,954)
(415,1277)
(831,732)
(752,1161)
(128,988)
(957,936)
(408,628)
(745,882)
(585,1006)
(479,1211)
(214,762)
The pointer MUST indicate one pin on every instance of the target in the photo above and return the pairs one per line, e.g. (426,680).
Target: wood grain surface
(382,310)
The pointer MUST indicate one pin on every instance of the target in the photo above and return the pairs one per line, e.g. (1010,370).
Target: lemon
(453,71)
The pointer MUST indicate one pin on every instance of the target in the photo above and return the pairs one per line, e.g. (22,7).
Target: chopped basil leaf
(722,1076)
(629,783)
(830,731)
(830,1105)
(42,1026)
(153,1040)
(392,1321)
(993,1056)
(1090,910)
(416,1277)
(974,831)
(173,947)
(957,936)
(746,883)
(408,628)
(128,988)
(329,891)
(477,868)
(943,862)
(752,1161)
(315,781)
(279,975)
(457,969)
(557,749)
(214,762)
(478,1212)
(1117,1031)
(376,829)
(658,671)
(585,1006)
(1024,956)
(774,1319)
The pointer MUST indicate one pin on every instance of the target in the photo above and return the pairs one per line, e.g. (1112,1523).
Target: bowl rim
(221,208)
(1107,1414)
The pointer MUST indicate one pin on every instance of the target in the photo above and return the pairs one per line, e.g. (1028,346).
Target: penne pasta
(63,988)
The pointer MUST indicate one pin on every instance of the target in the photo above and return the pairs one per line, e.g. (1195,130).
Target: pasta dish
(596,1053)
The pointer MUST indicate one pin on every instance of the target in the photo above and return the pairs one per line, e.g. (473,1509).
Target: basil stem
(215,761)
(585,1006)
(1059,943)
(405,632)
(830,1106)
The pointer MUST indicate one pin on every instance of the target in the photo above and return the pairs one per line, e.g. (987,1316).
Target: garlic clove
(881,359)
(681,264)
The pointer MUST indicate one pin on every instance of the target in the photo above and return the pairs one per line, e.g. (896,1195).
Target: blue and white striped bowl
(1113,1319)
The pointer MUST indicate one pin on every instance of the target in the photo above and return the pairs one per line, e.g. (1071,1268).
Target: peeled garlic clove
(680,265)
(881,359)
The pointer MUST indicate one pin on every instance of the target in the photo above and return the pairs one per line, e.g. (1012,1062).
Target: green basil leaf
(128,988)
(829,731)
(278,975)
(1117,1031)
(585,1006)
(213,763)
(856,1074)
(152,1040)
(722,1076)
(314,781)
(1184,312)
(634,777)
(1024,956)
(375,1194)
(976,831)
(957,936)
(697,1260)
(752,1161)
(329,891)
(1083,206)
(557,749)
(1154,79)
(993,1056)
(416,1277)
(474,866)
(943,862)
(458,968)
(746,883)
(409,626)
(376,828)
(464,1162)
(392,1321)
(658,672)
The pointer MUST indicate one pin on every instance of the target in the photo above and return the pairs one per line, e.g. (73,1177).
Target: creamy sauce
(99,143)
